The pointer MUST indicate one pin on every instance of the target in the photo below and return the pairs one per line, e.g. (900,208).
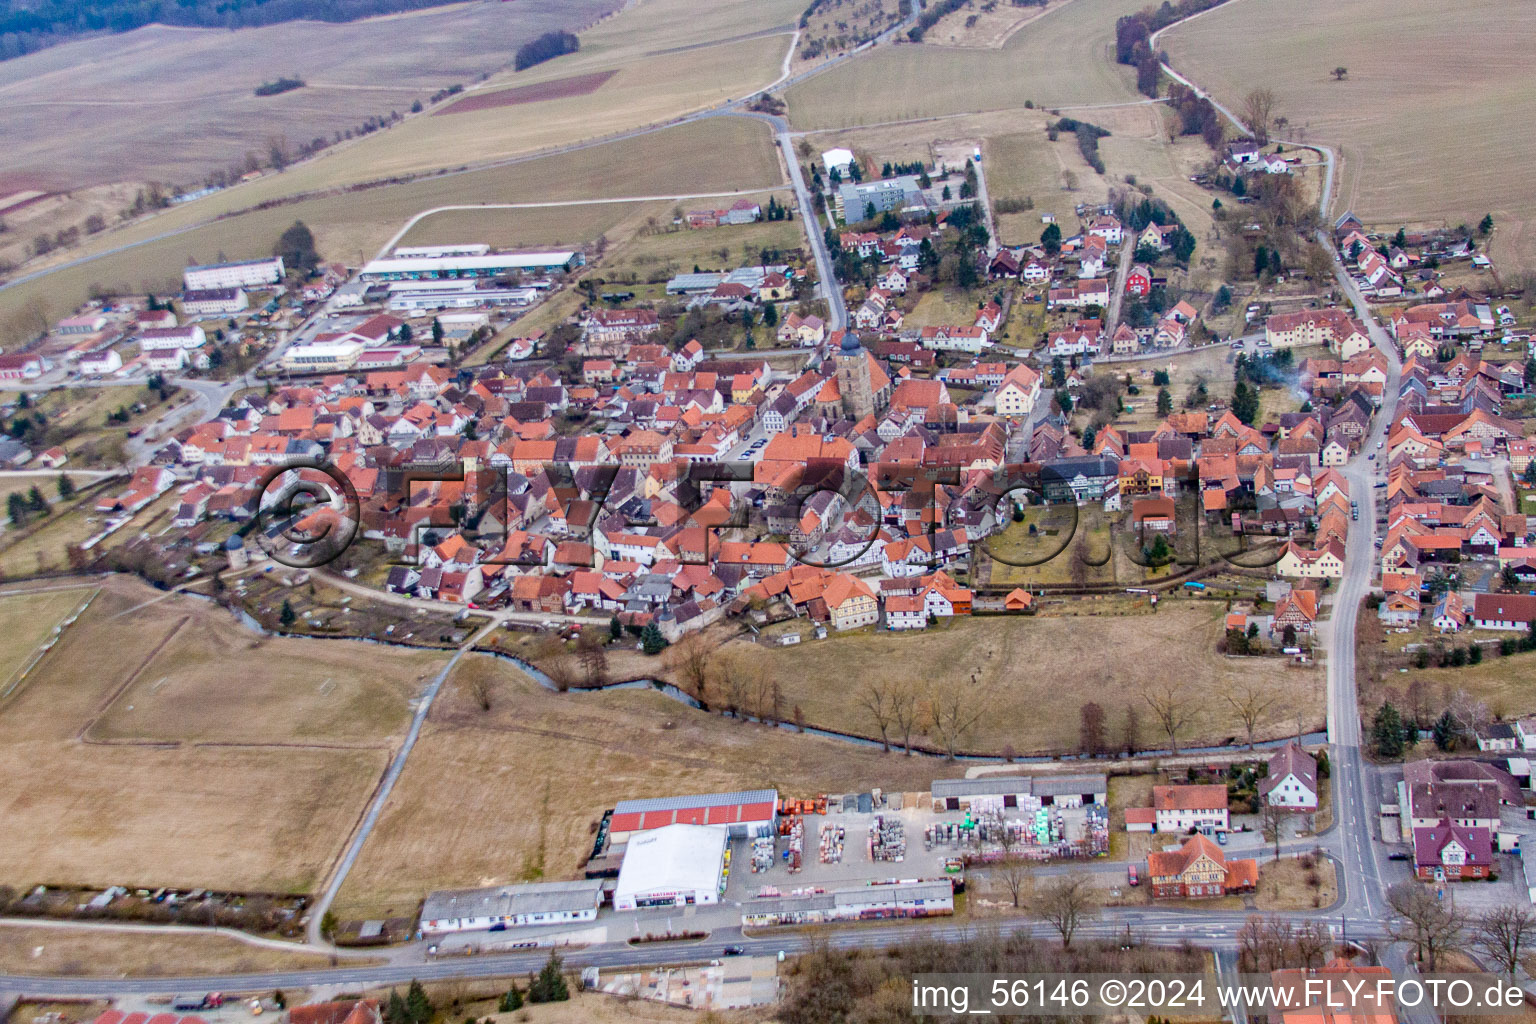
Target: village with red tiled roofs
(590,570)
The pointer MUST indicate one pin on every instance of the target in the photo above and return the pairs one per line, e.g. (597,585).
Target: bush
(547,47)
(1088,136)
(280,85)
(549,985)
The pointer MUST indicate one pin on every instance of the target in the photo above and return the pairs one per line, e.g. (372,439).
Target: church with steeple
(858,386)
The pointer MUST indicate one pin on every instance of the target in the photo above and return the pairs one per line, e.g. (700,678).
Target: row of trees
(1451,718)
(896,708)
(1133,37)
(1504,935)
(1088,136)
(948,713)
(416,1007)
(931,17)
(1197,115)
(35,26)
(21,508)
(546,47)
(874,986)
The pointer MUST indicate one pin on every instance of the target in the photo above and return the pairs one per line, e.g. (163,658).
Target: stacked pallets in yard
(794,830)
(831,843)
(762,853)
(887,839)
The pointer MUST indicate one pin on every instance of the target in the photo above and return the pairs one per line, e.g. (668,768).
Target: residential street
(1357,788)
(985,199)
(1117,289)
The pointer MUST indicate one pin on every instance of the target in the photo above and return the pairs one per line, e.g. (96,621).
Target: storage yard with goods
(818,844)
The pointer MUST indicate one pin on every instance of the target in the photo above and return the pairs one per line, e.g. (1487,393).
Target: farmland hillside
(26,28)
(1426,148)
(176,104)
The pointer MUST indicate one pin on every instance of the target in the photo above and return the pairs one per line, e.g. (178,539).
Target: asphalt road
(1357,795)
(1216,930)
(985,199)
(381,794)
(837,310)
(1117,287)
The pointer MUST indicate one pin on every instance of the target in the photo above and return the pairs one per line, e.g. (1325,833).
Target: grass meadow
(195,754)
(1061,58)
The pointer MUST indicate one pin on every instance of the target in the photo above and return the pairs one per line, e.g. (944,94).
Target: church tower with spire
(853,378)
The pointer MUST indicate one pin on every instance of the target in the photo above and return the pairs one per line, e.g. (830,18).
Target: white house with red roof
(990,317)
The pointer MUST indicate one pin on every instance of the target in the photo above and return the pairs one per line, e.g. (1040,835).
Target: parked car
(1131,876)
(1397,856)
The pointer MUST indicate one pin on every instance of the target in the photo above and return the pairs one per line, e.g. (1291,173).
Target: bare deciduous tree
(482,687)
(1258,111)
(1130,736)
(1470,714)
(1078,561)
(1066,902)
(1505,935)
(1250,703)
(767,698)
(904,712)
(952,716)
(1013,872)
(1272,824)
(594,661)
(561,670)
(1312,943)
(692,666)
(1319,264)
(1091,729)
(736,687)
(875,698)
(752,686)
(1168,702)
(1250,945)
(1431,925)
(1418,698)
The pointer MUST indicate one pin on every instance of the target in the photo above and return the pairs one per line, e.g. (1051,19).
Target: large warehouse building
(410,268)
(535,903)
(673,866)
(743,814)
(1017,791)
(855,903)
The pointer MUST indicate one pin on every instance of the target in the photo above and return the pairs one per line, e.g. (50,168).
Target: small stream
(678,695)
(675,693)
